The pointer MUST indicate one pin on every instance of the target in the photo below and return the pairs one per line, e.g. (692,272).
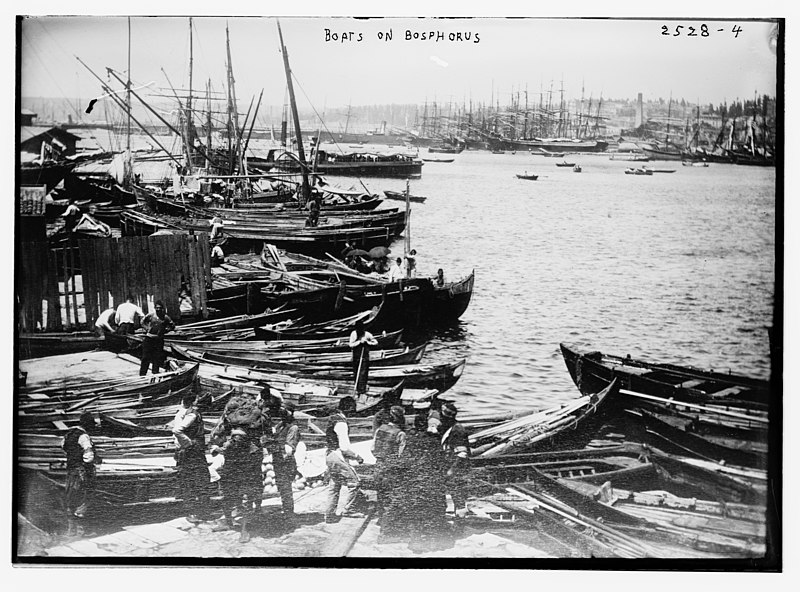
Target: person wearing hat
(190,456)
(282,446)
(337,456)
(455,443)
(387,447)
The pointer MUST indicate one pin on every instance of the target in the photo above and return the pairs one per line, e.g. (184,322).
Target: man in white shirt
(397,272)
(340,473)
(217,256)
(71,216)
(127,315)
(105,323)
(216,227)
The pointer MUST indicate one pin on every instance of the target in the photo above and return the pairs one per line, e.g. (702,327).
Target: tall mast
(597,119)
(305,189)
(347,121)
(233,108)
(189,113)
(127,172)
(284,121)
(208,124)
(669,116)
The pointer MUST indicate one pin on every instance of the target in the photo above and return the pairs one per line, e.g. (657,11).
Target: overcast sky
(615,58)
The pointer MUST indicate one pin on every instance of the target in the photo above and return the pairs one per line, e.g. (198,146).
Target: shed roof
(27,132)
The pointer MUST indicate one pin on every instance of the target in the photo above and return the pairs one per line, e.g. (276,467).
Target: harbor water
(671,267)
(674,267)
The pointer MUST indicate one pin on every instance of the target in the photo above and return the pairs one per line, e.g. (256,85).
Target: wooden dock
(312,538)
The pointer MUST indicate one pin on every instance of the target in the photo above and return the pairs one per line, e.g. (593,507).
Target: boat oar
(671,402)
(358,373)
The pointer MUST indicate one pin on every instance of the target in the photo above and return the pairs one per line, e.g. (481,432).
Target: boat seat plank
(729,392)
(690,383)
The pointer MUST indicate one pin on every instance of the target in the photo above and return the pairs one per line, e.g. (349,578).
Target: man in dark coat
(81,460)
(455,443)
(156,324)
(242,426)
(389,442)
(421,499)
(282,446)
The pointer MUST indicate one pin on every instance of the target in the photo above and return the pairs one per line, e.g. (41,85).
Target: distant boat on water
(400,196)
(630,157)
(666,153)
(359,164)
(437,159)
(527,176)
(552,154)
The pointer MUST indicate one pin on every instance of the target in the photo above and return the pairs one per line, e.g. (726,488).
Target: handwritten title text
(407,35)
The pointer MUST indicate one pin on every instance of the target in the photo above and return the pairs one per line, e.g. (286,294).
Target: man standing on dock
(190,457)
(282,447)
(81,460)
(243,425)
(340,473)
(455,443)
(156,324)
(387,447)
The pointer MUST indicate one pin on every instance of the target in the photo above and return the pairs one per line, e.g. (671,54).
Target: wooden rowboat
(540,430)
(400,196)
(593,370)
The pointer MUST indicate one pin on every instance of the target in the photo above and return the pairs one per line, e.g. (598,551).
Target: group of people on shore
(416,467)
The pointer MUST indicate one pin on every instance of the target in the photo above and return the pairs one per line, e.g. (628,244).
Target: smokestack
(639,118)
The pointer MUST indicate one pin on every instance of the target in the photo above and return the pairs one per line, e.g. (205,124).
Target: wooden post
(86,250)
(65,277)
(53,300)
(72,275)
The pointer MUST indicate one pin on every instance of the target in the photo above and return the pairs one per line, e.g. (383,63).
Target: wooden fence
(67,287)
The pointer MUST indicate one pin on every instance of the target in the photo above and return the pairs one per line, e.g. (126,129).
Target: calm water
(671,267)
